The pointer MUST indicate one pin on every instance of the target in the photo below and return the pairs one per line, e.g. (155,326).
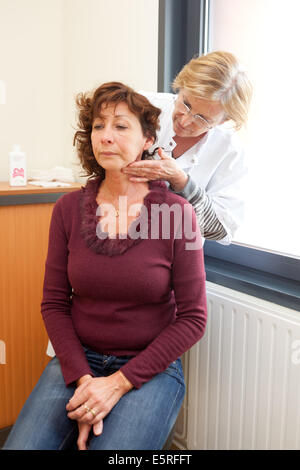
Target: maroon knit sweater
(141,297)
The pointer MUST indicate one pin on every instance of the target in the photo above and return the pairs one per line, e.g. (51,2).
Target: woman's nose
(107,135)
(186,119)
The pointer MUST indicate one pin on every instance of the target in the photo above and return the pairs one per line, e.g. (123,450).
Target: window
(264,259)
(265,34)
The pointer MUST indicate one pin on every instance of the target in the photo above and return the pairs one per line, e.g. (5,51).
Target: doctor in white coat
(199,157)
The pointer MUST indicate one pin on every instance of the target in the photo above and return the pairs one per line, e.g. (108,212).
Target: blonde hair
(218,76)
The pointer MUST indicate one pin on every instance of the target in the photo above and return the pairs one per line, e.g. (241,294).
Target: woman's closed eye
(117,126)
(98,126)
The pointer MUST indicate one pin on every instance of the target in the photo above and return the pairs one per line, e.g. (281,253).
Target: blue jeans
(141,420)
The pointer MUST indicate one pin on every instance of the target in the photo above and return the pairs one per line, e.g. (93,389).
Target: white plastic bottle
(17,167)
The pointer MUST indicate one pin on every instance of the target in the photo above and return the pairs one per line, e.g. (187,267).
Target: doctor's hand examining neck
(164,169)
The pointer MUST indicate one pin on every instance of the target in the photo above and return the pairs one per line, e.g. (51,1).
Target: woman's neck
(185,143)
(118,184)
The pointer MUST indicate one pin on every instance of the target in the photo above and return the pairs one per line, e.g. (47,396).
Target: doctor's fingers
(163,172)
(143,172)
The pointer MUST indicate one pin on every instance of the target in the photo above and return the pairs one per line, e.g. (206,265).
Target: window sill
(268,276)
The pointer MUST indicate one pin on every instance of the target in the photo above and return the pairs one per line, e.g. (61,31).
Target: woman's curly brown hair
(89,106)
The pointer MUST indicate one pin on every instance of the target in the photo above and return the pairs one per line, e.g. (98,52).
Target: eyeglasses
(200,121)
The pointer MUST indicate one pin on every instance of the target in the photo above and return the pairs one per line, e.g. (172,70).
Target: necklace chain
(117,213)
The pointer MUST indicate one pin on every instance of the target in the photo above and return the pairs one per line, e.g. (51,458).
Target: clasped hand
(92,401)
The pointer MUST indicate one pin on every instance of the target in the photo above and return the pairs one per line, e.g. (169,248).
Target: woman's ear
(225,119)
(149,142)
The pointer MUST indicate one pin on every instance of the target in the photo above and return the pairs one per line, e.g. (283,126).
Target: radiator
(243,377)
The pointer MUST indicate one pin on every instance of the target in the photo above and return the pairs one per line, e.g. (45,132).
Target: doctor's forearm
(211,227)
(179,181)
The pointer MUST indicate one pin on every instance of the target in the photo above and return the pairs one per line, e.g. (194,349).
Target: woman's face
(185,125)
(117,137)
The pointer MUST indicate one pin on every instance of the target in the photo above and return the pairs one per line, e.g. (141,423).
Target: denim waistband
(105,364)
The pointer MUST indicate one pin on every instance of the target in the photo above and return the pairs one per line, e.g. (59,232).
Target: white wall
(50,51)
(31,66)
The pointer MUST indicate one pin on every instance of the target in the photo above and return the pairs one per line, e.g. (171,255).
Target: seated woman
(124,293)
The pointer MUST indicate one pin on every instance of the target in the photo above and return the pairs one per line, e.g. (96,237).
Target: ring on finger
(91,410)
(94,412)
(87,409)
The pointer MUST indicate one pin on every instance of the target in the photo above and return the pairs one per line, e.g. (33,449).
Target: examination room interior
(243,377)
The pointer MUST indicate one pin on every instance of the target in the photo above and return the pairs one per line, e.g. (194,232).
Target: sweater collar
(99,241)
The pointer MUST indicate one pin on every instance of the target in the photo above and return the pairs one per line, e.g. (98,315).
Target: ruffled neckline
(99,241)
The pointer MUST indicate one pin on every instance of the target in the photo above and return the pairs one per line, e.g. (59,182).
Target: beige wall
(31,65)
(49,51)
(103,41)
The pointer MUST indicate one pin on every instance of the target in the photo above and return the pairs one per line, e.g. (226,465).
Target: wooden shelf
(6,190)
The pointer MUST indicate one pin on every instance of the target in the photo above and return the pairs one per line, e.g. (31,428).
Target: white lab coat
(215,163)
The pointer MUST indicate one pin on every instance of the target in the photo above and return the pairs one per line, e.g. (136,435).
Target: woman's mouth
(180,127)
(107,154)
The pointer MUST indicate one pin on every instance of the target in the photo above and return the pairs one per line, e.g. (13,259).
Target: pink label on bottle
(18,172)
